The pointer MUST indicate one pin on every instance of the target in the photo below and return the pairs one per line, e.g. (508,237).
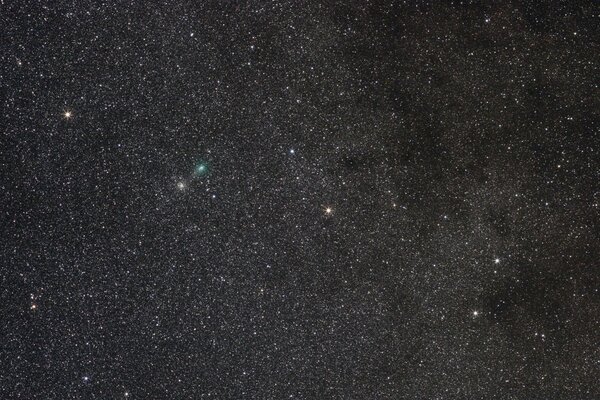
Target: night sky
(299,200)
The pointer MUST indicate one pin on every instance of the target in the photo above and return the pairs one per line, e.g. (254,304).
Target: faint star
(496,261)
(292,151)
(33,306)
(475,313)
(68,114)
(328,210)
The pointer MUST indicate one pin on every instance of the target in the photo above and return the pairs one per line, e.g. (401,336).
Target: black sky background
(400,200)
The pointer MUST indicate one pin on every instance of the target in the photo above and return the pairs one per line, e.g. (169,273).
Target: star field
(300,200)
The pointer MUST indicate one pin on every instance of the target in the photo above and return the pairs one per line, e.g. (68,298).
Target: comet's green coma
(201,169)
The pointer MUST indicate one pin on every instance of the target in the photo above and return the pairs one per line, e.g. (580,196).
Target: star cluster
(300,200)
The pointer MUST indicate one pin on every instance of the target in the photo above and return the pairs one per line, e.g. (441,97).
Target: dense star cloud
(300,200)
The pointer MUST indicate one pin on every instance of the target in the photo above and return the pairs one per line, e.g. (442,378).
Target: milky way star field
(300,199)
